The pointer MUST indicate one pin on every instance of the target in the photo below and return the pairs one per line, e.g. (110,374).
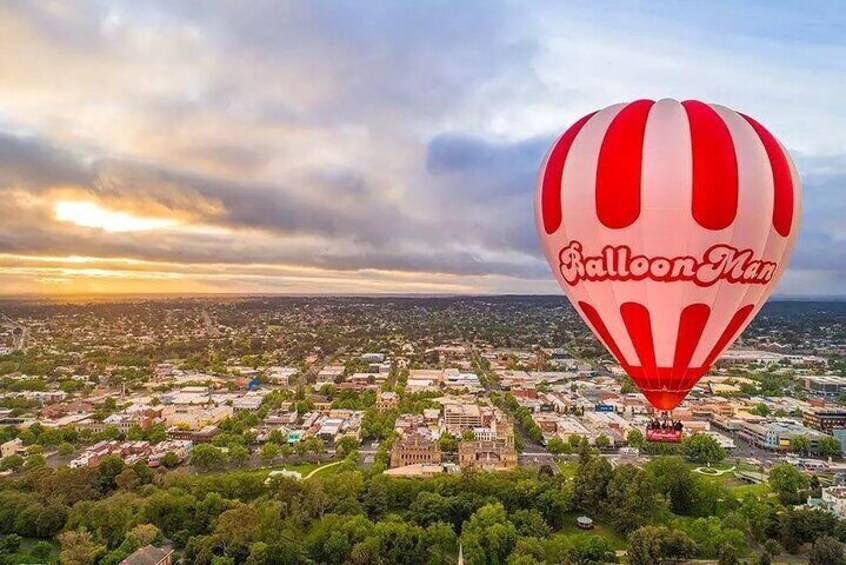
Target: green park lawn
(618,541)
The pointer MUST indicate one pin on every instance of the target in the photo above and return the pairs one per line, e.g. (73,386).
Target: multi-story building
(459,417)
(387,401)
(824,385)
(194,417)
(825,419)
(415,449)
(777,436)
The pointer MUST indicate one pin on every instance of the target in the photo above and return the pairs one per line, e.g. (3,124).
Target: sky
(366,147)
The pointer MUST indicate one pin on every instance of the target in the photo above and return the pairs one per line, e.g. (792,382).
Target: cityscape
(407,430)
(401,282)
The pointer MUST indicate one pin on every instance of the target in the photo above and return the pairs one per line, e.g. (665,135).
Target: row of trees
(663,511)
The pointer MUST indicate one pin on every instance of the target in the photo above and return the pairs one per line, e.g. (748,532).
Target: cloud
(360,139)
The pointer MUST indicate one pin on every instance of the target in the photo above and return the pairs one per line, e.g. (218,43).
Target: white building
(11,447)
(281,375)
(834,498)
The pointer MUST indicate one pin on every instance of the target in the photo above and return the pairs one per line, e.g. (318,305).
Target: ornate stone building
(415,449)
(497,454)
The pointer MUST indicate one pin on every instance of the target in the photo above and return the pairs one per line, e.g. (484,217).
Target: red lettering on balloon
(618,263)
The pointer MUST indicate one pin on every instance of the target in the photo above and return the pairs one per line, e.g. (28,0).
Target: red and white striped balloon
(668,225)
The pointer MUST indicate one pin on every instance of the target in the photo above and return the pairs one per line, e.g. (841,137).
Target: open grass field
(617,541)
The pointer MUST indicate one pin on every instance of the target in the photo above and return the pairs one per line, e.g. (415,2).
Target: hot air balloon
(667,224)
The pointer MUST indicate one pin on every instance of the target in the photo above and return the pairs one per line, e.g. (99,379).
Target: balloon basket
(667,436)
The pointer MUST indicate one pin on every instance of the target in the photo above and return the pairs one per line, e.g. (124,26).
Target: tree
(41,550)
(236,528)
(12,463)
(801,445)
(788,482)
(448,443)
(673,479)
(630,500)
(826,551)
(773,548)
(346,445)
(602,442)
(206,457)
(828,446)
(36,461)
(239,455)
(677,546)
(635,438)
(591,482)
(440,540)
(587,549)
(258,554)
(711,534)
(556,445)
(268,452)
(143,534)
(703,449)
(645,546)
(170,460)
(728,555)
(530,523)
(156,434)
(79,548)
(10,543)
(488,537)
(760,409)
(127,480)
(108,470)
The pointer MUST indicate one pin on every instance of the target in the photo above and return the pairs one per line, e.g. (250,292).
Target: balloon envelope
(668,225)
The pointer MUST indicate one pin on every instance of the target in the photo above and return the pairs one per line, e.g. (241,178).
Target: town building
(777,436)
(460,417)
(495,452)
(194,417)
(834,500)
(387,401)
(11,447)
(415,449)
(826,419)
(281,376)
(823,385)
(203,435)
(486,455)
(150,555)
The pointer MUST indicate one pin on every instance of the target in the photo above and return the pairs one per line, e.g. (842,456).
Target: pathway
(310,475)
